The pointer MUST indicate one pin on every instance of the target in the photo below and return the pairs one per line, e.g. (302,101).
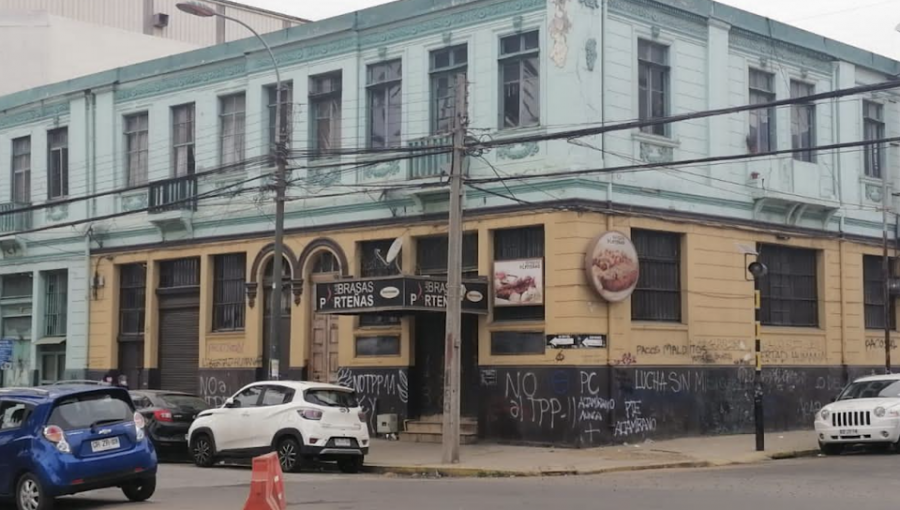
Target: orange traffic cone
(266,484)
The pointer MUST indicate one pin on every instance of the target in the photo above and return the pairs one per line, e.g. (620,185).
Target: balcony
(171,203)
(430,165)
(173,195)
(10,224)
(15,222)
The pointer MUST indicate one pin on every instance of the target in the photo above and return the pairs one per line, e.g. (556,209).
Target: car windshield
(184,401)
(92,409)
(332,398)
(871,389)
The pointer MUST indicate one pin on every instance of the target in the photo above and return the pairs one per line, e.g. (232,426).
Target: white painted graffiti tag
(634,422)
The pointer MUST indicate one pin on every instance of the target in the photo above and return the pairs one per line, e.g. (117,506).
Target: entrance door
(323,347)
(427,388)
(179,342)
(284,339)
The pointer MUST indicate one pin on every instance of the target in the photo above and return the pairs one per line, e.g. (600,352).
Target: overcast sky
(868,24)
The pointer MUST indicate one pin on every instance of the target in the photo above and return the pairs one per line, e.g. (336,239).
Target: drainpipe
(836,129)
(604,14)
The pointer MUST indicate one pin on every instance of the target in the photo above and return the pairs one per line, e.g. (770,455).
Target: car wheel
(289,455)
(350,465)
(203,451)
(831,448)
(140,490)
(30,494)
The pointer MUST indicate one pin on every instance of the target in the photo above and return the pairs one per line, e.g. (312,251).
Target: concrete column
(847,129)
(717,85)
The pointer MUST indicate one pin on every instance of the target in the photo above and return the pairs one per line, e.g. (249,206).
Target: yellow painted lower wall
(717,301)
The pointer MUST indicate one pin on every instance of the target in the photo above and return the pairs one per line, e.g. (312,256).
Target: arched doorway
(284,347)
(323,347)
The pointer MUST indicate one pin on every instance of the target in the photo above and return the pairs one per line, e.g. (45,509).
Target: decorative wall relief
(559,30)
(590,53)
(518,151)
(873,192)
(590,4)
(323,176)
(652,153)
(134,202)
(58,212)
(382,170)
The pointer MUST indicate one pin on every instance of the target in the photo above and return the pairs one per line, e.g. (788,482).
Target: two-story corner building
(556,348)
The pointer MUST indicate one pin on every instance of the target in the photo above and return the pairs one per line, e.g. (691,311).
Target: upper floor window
(873,293)
(789,291)
(383,87)
(873,129)
(761,138)
(21,170)
(228,291)
(183,139)
(657,295)
(287,107)
(232,111)
(132,299)
(56,301)
(803,122)
(137,147)
(520,78)
(325,113)
(653,85)
(58,163)
(446,65)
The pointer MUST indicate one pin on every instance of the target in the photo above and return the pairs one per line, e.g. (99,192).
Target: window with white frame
(803,121)
(325,91)
(52,363)
(15,305)
(183,139)
(653,85)
(873,129)
(232,118)
(55,302)
(761,138)
(446,65)
(520,79)
(21,170)
(137,148)
(384,89)
(57,163)
(287,104)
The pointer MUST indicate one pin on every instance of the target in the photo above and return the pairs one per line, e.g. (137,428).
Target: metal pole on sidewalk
(758,415)
(885,272)
(450,424)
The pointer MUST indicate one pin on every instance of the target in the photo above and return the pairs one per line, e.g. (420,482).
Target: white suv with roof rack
(302,421)
(867,411)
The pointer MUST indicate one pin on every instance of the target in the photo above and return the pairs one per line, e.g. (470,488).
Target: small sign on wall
(576,341)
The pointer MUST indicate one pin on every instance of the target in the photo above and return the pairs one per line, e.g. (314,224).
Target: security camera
(757,269)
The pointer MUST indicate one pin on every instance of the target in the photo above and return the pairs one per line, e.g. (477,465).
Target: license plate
(104,445)
(849,432)
(342,442)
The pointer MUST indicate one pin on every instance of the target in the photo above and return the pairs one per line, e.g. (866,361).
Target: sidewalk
(484,460)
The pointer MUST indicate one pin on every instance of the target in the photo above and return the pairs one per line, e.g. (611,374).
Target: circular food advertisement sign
(612,266)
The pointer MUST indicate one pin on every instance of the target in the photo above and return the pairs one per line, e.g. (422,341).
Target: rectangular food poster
(519,282)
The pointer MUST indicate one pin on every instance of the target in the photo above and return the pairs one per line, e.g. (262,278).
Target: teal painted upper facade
(588,74)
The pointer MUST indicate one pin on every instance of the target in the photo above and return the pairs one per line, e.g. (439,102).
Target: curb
(463,472)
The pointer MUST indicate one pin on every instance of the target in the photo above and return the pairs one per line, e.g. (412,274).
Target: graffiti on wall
(380,391)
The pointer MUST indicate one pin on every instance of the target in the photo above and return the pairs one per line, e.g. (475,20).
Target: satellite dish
(394,250)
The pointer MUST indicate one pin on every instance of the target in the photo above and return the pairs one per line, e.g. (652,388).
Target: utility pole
(885,263)
(278,242)
(450,425)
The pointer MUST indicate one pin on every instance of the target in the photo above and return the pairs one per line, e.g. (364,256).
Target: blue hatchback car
(67,439)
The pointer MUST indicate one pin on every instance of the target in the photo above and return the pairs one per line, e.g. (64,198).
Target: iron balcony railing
(173,195)
(14,222)
(430,164)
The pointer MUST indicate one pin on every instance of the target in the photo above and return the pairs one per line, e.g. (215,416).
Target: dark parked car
(169,415)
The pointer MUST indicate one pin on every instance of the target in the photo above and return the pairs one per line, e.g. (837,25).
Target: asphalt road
(858,482)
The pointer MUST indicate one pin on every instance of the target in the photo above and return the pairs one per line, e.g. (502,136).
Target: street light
(205,11)
(758,270)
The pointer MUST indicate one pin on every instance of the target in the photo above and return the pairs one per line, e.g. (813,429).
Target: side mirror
(230,403)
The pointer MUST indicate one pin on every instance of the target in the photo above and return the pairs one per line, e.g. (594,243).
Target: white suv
(302,421)
(866,412)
